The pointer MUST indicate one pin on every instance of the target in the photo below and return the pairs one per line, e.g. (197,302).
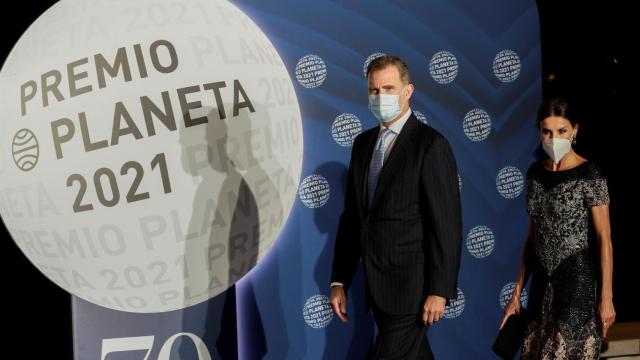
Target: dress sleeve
(596,191)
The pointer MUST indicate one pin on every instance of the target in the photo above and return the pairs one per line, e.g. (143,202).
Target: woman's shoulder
(592,170)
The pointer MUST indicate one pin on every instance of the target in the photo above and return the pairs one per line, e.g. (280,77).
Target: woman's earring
(574,141)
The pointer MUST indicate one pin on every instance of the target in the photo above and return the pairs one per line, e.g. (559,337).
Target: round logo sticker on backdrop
(480,241)
(455,307)
(314,191)
(421,117)
(345,128)
(507,293)
(506,66)
(477,125)
(25,149)
(510,182)
(443,67)
(317,312)
(369,59)
(311,71)
(168,152)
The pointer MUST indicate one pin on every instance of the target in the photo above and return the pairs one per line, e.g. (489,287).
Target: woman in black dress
(568,248)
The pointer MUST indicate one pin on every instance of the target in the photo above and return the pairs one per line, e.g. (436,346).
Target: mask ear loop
(574,138)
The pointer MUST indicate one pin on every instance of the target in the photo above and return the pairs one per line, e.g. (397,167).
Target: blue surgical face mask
(384,107)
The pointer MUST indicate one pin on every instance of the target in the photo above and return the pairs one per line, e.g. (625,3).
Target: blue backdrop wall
(476,69)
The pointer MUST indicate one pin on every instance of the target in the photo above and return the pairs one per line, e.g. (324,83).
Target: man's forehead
(389,70)
(387,74)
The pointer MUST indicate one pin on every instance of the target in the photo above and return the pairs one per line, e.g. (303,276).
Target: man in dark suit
(401,218)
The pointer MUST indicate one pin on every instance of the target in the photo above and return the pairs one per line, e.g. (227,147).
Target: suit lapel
(394,159)
(362,168)
(390,165)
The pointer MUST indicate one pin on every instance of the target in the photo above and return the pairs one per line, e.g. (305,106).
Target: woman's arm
(525,269)
(523,274)
(600,215)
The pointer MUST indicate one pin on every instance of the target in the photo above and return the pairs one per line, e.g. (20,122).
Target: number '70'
(146,343)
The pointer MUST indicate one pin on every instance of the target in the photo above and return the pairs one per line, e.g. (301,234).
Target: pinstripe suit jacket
(409,238)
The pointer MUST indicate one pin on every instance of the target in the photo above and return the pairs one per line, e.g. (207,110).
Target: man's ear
(409,90)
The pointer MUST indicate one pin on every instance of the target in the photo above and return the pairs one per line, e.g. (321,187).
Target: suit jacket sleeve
(439,182)
(346,253)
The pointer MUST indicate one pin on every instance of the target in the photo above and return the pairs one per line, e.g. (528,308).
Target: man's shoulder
(424,129)
(427,135)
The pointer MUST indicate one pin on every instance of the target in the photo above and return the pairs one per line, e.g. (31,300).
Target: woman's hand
(607,315)
(512,308)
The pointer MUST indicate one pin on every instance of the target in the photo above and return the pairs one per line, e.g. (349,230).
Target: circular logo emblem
(443,67)
(317,312)
(345,128)
(311,71)
(25,149)
(477,125)
(506,66)
(314,191)
(480,241)
(421,117)
(510,182)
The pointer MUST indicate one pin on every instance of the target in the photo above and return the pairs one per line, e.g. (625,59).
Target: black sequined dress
(563,302)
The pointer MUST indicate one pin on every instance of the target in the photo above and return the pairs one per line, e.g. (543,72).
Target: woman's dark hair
(556,107)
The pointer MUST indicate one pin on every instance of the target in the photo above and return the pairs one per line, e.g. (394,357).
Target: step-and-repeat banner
(179,166)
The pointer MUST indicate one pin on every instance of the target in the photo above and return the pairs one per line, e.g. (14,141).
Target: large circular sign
(151,151)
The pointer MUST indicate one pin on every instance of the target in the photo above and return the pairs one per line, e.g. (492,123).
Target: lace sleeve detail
(596,191)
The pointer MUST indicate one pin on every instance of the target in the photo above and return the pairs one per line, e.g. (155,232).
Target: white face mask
(384,107)
(556,148)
